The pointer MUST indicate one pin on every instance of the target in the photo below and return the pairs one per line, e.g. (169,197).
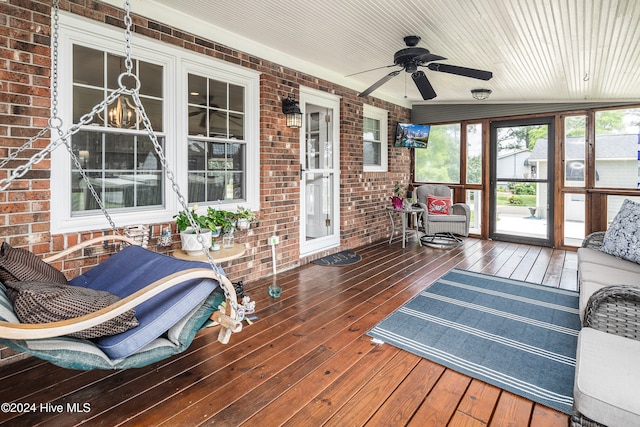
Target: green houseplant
(244,218)
(188,236)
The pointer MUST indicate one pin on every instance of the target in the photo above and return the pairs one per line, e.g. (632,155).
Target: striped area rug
(516,335)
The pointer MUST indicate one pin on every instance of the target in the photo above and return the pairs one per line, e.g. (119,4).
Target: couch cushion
(622,238)
(17,265)
(41,302)
(447,218)
(587,289)
(132,269)
(607,377)
(607,275)
(594,256)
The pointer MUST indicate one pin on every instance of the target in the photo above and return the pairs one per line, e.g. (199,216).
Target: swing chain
(128,62)
(54,69)
(134,93)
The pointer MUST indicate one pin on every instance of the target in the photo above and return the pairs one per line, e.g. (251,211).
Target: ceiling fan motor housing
(406,57)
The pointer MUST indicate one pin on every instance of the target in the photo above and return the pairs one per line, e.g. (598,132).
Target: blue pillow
(132,269)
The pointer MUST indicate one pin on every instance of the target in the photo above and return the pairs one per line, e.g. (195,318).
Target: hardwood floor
(306,361)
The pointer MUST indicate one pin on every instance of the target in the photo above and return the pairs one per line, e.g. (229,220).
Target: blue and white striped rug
(516,335)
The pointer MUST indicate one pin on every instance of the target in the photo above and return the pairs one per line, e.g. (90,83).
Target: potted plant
(216,220)
(244,218)
(396,199)
(188,236)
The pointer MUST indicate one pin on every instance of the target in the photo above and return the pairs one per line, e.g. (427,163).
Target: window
(618,148)
(118,157)
(440,161)
(474,153)
(375,137)
(216,140)
(204,112)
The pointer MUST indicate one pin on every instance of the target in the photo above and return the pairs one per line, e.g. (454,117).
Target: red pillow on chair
(438,205)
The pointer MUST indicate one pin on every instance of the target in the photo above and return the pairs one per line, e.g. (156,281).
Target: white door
(319,171)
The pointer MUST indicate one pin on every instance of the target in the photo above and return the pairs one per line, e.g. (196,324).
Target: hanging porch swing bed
(173,300)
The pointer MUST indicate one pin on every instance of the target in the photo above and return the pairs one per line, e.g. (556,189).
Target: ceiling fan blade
(428,57)
(373,69)
(423,84)
(461,71)
(379,83)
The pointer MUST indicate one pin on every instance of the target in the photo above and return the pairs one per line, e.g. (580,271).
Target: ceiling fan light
(480,94)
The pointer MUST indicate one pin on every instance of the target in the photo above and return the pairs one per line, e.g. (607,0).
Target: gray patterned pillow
(38,302)
(622,238)
(20,265)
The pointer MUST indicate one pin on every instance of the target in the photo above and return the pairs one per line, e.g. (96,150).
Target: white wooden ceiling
(538,50)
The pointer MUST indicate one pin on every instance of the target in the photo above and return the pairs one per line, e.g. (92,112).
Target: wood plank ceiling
(538,50)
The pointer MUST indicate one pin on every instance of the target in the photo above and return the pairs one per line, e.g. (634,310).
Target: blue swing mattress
(168,322)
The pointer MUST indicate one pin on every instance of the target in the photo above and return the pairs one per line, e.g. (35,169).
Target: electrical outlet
(273,240)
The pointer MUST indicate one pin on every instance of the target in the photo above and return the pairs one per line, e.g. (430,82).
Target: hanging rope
(55,123)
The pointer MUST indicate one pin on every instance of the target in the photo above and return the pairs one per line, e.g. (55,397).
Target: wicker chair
(613,309)
(448,227)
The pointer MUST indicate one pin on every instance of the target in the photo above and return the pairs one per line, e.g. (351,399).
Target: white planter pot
(190,243)
(243,224)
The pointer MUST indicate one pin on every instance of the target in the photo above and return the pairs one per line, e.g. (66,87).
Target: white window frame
(177,63)
(381,116)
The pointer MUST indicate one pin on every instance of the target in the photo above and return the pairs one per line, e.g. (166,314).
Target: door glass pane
(319,149)
(474,153)
(618,148)
(521,209)
(574,211)
(318,203)
(440,161)
(521,151)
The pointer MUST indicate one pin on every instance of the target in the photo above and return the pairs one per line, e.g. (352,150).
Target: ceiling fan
(412,57)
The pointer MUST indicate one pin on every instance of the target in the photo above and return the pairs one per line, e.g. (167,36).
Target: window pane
(236,126)
(221,176)
(217,94)
(574,213)
(88,66)
(84,99)
(440,161)
(123,169)
(474,200)
(372,154)
(150,76)
(617,148)
(197,90)
(574,151)
(613,206)
(236,98)
(372,149)
(474,154)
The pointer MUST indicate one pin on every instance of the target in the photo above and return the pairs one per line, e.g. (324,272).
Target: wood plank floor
(306,361)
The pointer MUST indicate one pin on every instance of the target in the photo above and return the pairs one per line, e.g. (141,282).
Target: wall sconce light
(480,94)
(292,111)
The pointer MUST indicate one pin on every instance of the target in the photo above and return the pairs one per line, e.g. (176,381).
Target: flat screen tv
(412,135)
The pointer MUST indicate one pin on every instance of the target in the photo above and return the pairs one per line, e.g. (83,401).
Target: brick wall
(25,29)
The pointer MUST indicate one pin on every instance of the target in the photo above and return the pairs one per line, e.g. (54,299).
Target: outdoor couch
(607,369)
